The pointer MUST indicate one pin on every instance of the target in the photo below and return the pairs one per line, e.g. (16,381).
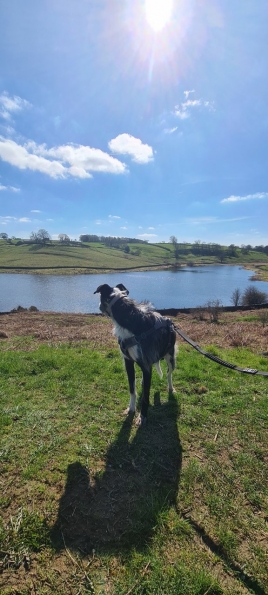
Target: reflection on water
(186,288)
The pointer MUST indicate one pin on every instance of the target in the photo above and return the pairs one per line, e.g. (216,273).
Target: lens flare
(158,13)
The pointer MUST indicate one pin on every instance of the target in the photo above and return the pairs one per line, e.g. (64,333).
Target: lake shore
(260,270)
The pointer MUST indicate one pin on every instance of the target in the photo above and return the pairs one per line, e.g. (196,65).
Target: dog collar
(116,297)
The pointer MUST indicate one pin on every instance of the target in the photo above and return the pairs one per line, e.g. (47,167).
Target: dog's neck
(116,297)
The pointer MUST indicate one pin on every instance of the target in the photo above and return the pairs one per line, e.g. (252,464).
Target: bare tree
(41,236)
(236,297)
(63,238)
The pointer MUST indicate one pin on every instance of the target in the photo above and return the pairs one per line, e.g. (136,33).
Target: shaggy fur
(144,336)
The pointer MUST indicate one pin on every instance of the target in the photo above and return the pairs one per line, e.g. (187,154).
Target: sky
(135,118)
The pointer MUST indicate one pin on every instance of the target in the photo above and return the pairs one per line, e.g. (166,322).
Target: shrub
(253,296)
(214,308)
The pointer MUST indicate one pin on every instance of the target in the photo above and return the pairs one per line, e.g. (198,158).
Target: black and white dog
(144,337)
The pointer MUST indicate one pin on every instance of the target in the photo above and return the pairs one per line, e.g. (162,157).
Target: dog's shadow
(140,480)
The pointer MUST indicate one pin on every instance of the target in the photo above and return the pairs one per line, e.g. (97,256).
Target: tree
(236,297)
(41,236)
(174,241)
(253,296)
(3,236)
(63,238)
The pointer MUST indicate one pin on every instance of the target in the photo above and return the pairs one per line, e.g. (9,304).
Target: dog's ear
(122,288)
(104,289)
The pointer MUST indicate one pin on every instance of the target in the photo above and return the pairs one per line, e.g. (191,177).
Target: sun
(158,13)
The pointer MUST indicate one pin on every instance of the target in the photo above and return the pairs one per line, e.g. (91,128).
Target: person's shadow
(140,480)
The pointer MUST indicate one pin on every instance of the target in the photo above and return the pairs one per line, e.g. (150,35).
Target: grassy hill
(98,257)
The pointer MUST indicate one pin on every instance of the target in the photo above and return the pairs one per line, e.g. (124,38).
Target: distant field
(94,257)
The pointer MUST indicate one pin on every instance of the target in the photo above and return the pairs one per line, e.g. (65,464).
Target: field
(93,504)
(97,257)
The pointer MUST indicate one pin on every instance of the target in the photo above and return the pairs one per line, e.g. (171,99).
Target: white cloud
(84,159)
(35,211)
(19,156)
(184,109)
(209,220)
(114,217)
(54,162)
(147,235)
(123,227)
(10,105)
(125,144)
(10,188)
(256,196)
(187,93)
(170,130)
(8,219)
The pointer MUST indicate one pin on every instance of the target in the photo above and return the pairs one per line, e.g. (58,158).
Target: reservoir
(184,288)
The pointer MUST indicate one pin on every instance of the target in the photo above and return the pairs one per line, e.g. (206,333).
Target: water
(186,288)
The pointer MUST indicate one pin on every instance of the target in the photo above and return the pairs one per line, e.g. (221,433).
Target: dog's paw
(141,421)
(128,411)
(172,391)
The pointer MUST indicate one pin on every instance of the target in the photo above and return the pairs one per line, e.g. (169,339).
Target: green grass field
(96,257)
(93,504)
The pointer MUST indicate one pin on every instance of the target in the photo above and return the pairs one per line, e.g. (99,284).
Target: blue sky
(115,123)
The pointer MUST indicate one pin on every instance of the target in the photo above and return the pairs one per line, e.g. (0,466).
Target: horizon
(141,120)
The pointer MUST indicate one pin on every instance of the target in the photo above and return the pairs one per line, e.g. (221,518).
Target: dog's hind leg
(146,385)
(158,369)
(170,359)
(130,370)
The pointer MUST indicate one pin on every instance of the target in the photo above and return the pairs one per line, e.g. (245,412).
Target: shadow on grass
(234,567)
(120,508)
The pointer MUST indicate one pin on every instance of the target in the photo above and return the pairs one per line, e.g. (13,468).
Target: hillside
(76,257)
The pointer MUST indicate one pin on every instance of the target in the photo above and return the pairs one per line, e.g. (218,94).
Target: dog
(144,336)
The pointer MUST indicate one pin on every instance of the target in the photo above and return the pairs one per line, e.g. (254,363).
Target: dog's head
(109,295)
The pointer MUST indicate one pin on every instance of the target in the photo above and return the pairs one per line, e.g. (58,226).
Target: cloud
(114,217)
(10,105)
(209,220)
(184,109)
(187,93)
(8,219)
(147,235)
(9,188)
(125,144)
(59,162)
(35,211)
(256,196)
(170,130)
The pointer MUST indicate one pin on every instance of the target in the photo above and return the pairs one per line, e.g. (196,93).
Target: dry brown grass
(47,327)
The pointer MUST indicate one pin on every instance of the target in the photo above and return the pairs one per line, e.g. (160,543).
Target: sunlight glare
(158,13)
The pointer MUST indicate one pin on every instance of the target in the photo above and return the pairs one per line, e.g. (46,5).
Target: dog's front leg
(130,370)
(146,385)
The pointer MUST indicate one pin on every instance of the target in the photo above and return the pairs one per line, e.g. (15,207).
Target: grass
(96,257)
(91,503)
